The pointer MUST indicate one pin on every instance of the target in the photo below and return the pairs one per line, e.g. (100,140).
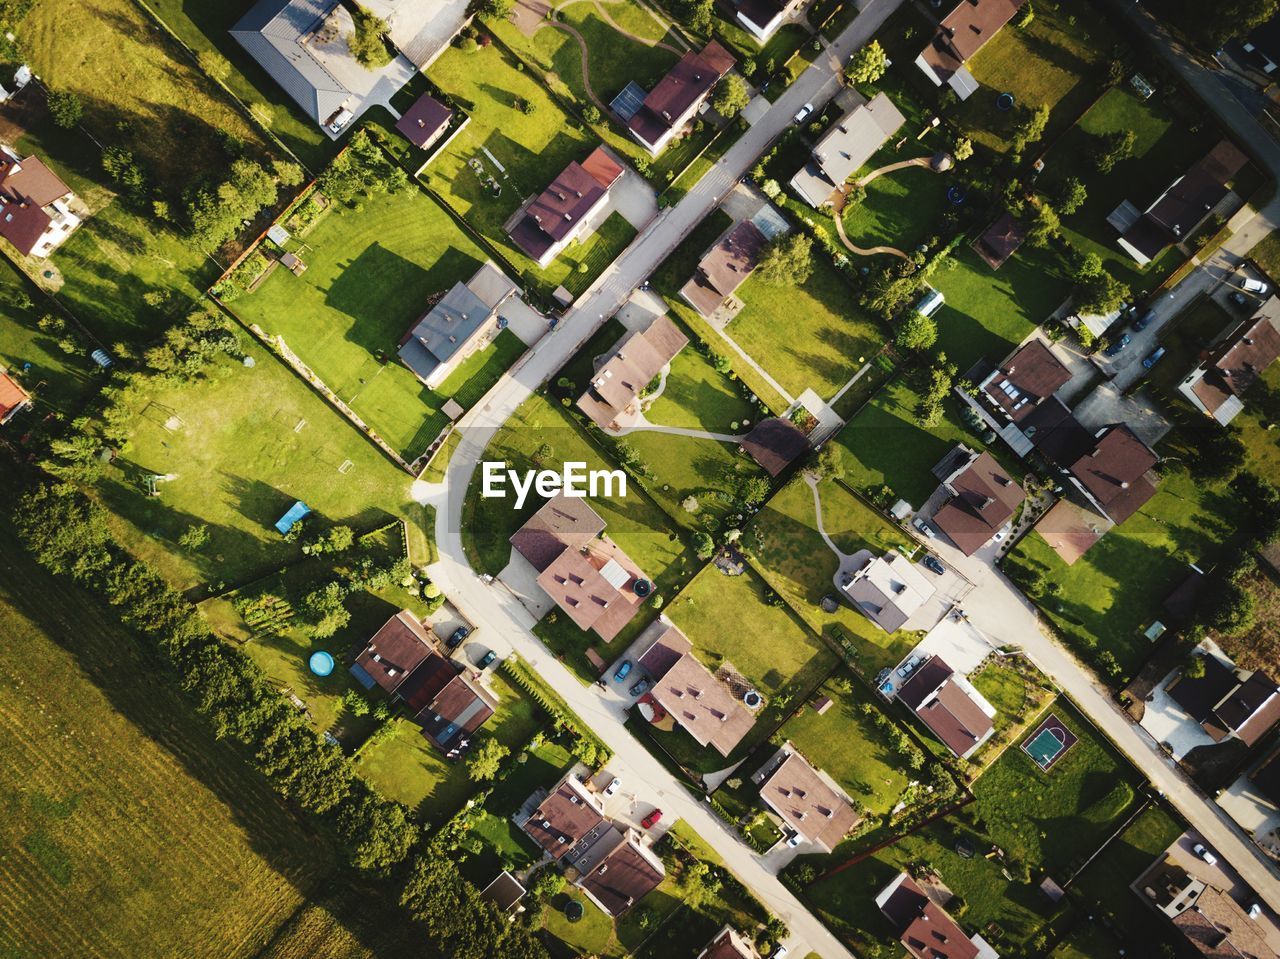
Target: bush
(65,108)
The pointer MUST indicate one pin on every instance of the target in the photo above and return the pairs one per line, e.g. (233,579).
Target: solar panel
(627,103)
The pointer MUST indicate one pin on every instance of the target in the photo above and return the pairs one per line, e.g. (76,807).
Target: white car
(612,788)
(804,113)
(778,953)
(924,527)
(1254,286)
(1205,854)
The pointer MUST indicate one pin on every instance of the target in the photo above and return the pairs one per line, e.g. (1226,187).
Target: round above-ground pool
(321,663)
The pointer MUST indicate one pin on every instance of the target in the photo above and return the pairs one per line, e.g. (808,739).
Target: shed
(901,510)
(295,513)
(278,234)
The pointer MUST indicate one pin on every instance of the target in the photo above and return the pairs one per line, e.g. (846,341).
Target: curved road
(997,608)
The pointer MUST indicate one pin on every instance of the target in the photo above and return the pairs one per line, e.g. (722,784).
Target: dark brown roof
(724,268)
(425,682)
(504,892)
(955,719)
(565,817)
(423,122)
(924,682)
(395,650)
(923,927)
(808,803)
(625,877)
(1218,928)
(984,499)
(1055,432)
(561,207)
(1032,374)
(728,943)
(964,31)
(29,181)
(760,12)
(459,709)
(689,81)
(1181,601)
(637,360)
(1267,777)
(1241,359)
(1189,199)
(1115,472)
(1251,709)
(563,522)
(1223,703)
(775,444)
(1001,240)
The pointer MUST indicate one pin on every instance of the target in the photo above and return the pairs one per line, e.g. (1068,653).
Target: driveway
(1106,405)
(1168,723)
(633,198)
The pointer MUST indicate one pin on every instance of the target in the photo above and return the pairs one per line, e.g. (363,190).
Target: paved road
(503,621)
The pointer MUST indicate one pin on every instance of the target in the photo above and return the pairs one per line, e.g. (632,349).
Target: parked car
(613,786)
(640,687)
(622,671)
(779,953)
(652,819)
(1141,322)
(457,636)
(1256,287)
(489,657)
(804,113)
(924,527)
(1118,345)
(1239,299)
(932,565)
(1153,358)
(1205,854)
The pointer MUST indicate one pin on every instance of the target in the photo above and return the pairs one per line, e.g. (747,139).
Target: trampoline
(955,195)
(1004,102)
(1049,743)
(573,910)
(321,663)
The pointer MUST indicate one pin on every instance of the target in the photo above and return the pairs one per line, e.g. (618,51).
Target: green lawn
(1257,423)
(827,338)
(577,267)
(901,209)
(786,548)
(370,276)
(1041,822)
(408,768)
(1267,254)
(698,397)
(1058,60)
(849,746)
(240,461)
(1114,592)
(591,935)
(1168,142)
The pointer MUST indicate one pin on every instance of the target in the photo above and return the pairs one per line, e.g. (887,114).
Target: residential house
(1181,208)
(924,928)
(1227,702)
(1025,380)
(505,892)
(946,702)
(677,96)
(464,321)
(610,864)
(806,800)
(983,498)
(424,122)
(581,570)
(567,210)
(1000,240)
(724,268)
(1115,473)
(616,385)
(961,34)
(1212,922)
(447,702)
(888,590)
(1266,779)
(775,443)
(846,146)
(1217,385)
(35,205)
(762,18)
(728,943)
(13,398)
(706,708)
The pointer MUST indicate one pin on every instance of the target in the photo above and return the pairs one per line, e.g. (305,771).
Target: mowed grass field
(370,276)
(246,443)
(127,830)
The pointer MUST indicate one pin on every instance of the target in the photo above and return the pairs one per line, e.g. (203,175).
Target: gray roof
(846,146)
(452,322)
(273,32)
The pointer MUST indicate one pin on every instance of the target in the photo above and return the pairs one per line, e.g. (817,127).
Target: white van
(340,120)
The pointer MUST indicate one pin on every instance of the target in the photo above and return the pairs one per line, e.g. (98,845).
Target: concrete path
(647,427)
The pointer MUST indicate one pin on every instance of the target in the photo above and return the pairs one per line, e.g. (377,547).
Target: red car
(652,819)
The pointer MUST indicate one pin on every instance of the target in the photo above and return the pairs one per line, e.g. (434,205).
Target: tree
(366,43)
(1070,196)
(1262,501)
(771,189)
(1044,226)
(731,96)
(215,65)
(1217,455)
(703,544)
(484,763)
(287,173)
(1195,668)
(962,149)
(195,538)
(326,609)
(1032,128)
(1216,23)
(787,260)
(830,463)
(591,113)
(917,332)
(698,884)
(65,108)
(496,9)
(1110,148)
(1097,291)
(868,64)
(377,832)
(355,703)
(697,14)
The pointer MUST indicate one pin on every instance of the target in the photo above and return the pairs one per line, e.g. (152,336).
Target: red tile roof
(1030,375)
(775,444)
(623,878)
(12,397)
(637,360)
(724,268)
(807,803)
(395,650)
(984,499)
(566,816)
(924,928)
(964,31)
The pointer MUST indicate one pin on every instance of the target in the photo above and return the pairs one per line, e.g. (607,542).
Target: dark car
(640,687)
(1141,322)
(457,636)
(1153,359)
(932,565)
(1118,345)
(1239,299)
(489,657)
